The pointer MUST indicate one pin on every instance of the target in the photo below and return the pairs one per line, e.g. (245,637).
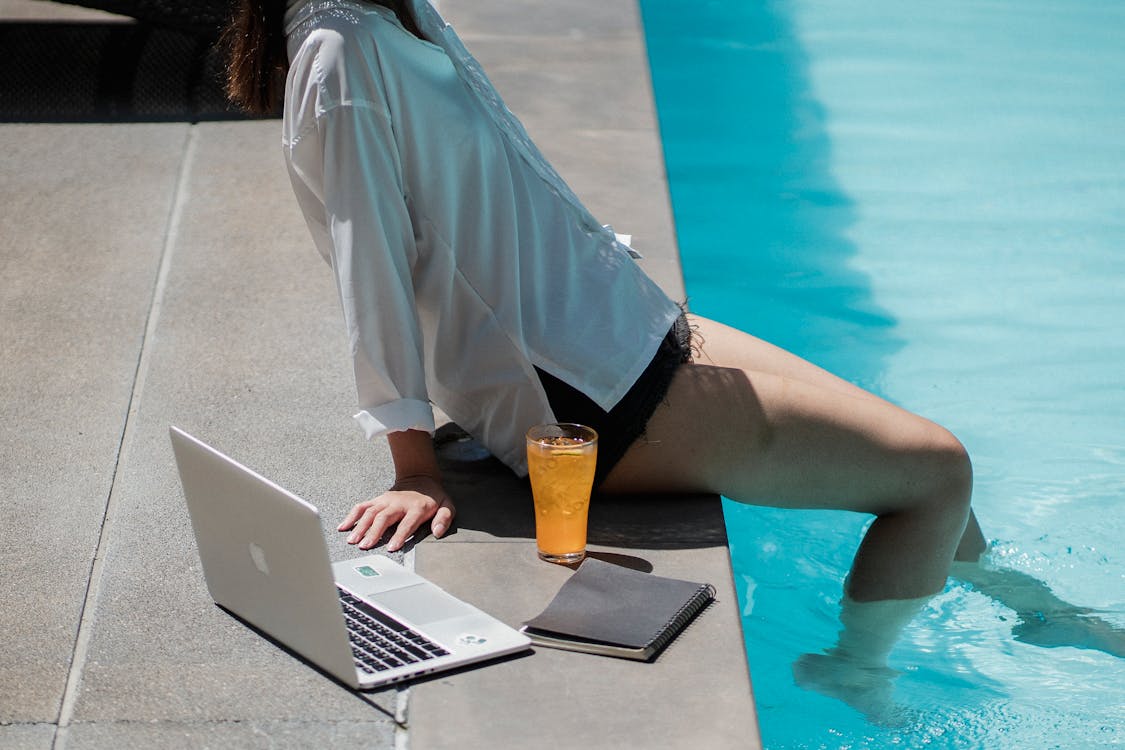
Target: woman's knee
(949,471)
(958,464)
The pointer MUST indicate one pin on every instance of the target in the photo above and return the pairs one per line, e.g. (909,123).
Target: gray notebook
(614,611)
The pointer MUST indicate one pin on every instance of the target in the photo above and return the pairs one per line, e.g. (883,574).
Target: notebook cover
(619,606)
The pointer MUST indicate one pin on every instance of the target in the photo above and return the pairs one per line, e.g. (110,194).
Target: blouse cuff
(397,416)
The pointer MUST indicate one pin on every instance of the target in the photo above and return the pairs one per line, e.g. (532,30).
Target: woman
(470,276)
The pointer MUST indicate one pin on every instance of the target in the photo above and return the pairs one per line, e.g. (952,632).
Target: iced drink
(561,459)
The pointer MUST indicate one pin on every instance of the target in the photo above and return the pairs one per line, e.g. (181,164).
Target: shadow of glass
(624,561)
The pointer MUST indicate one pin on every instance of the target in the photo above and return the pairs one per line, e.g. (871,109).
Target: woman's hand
(410,502)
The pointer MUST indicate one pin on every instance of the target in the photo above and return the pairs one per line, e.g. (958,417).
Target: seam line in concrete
(402,698)
(93,585)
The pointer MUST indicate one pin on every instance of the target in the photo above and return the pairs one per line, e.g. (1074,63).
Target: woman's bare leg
(718,344)
(772,429)
(722,345)
(760,425)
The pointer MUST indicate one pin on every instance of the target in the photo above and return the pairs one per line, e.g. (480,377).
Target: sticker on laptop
(468,639)
(367,571)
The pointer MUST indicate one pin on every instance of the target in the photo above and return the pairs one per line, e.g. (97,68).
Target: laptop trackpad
(421,603)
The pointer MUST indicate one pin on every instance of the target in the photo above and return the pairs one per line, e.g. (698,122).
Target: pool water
(929,200)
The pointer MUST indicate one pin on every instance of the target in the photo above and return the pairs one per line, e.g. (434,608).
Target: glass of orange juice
(561,459)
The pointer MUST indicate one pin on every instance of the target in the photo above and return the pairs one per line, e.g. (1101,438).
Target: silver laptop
(367,621)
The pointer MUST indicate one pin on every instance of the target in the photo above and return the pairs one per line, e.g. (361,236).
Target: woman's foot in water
(867,688)
(855,670)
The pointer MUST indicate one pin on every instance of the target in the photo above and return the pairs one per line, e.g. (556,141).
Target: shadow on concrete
(493,501)
(109,72)
(366,695)
(360,695)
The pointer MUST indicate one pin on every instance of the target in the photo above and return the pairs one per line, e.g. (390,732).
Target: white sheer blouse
(463,261)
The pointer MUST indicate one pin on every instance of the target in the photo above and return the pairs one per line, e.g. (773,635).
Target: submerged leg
(855,670)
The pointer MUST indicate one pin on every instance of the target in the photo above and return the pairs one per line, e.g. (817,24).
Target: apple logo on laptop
(258,555)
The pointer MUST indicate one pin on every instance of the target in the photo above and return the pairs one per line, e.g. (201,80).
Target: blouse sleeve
(372,253)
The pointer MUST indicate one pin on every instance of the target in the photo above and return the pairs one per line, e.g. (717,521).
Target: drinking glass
(561,459)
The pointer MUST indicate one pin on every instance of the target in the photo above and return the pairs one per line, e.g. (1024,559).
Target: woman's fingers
(373,524)
(412,503)
(406,528)
(439,523)
(370,521)
(443,518)
(353,516)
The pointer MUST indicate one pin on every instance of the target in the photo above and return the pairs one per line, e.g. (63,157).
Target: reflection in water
(1043,619)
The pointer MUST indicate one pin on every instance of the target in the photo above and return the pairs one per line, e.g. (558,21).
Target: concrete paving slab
(576,18)
(248,735)
(247,353)
(696,693)
(27,736)
(79,251)
(523,68)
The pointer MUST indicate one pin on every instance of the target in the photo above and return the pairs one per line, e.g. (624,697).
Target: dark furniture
(164,67)
(198,17)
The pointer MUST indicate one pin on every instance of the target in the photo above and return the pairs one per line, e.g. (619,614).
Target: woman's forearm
(413,454)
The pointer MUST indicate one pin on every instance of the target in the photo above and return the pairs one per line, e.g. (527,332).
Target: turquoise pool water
(928,199)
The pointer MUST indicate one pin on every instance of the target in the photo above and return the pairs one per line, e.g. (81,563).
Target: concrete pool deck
(160,273)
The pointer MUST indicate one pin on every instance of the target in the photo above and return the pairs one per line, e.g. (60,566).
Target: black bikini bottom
(620,427)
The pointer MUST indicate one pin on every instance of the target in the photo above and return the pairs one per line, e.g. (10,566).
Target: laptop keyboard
(380,642)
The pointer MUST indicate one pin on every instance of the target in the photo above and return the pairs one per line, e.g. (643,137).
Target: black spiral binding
(692,607)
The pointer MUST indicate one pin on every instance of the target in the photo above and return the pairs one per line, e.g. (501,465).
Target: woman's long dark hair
(257,61)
